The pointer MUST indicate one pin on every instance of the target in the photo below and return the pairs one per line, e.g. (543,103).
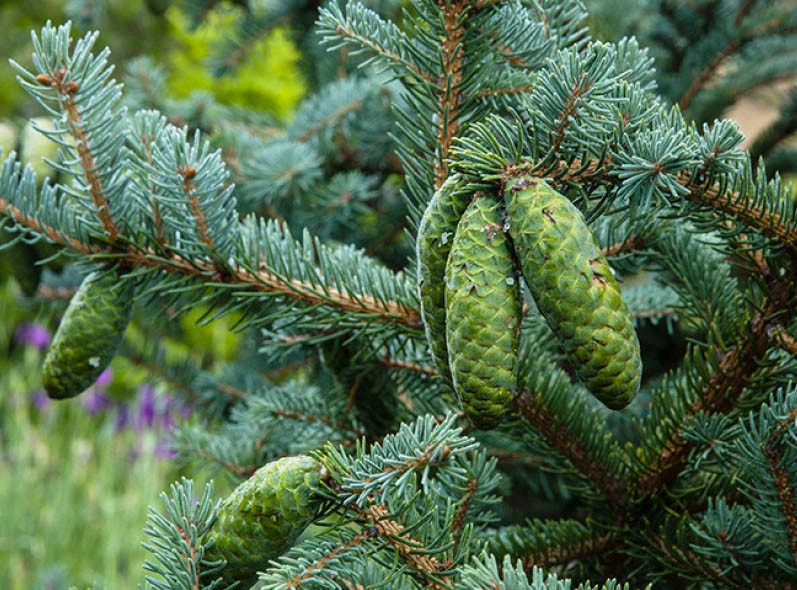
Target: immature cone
(574,289)
(482,314)
(264,515)
(89,333)
(433,244)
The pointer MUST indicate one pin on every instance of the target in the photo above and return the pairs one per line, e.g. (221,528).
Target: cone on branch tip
(482,314)
(574,289)
(263,516)
(89,334)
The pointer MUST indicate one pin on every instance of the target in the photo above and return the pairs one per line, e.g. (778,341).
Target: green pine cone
(263,516)
(89,333)
(574,289)
(435,236)
(483,314)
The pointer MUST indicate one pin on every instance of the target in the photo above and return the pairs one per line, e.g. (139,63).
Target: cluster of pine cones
(475,251)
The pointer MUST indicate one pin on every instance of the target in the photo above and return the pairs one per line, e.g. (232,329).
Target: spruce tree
(439,415)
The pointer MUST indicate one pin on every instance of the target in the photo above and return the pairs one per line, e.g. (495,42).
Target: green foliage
(199,202)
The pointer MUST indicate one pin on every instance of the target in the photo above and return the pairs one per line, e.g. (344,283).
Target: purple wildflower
(146,407)
(34,335)
(164,450)
(122,417)
(96,401)
(40,400)
(105,378)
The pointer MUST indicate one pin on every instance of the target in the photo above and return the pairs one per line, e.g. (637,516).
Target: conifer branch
(410,549)
(264,281)
(292,415)
(731,203)
(458,522)
(724,387)
(47,231)
(783,339)
(503,91)
(557,434)
(415,367)
(580,88)
(707,74)
(242,471)
(450,92)
(780,476)
(188,173)
(353,36)
(66,90)
(685,559)
(320,564)
(575,551)
(334,118)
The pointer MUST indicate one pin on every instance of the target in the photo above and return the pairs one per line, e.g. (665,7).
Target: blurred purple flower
(146,407)
(105,378)
(96,401)
(122,417)
(40,400)
(185,411)
(164,450)
(34,335)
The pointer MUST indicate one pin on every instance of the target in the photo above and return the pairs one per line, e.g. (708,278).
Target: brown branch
(450,93)
(264,281)
(55,293)
(352,107)
(189,189)
(579,89)
(190,559)
(731,203)
(706,75)
(410,549)
(564,554)
(784,340)
(654,313)
(503,91)
(726,385)
(244,471)
(743,11)
(779,474)
(462,512)
(308,573)
(423,369)
(50,233)
(685,559)
(66,92)
(629,244)
(559,436)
